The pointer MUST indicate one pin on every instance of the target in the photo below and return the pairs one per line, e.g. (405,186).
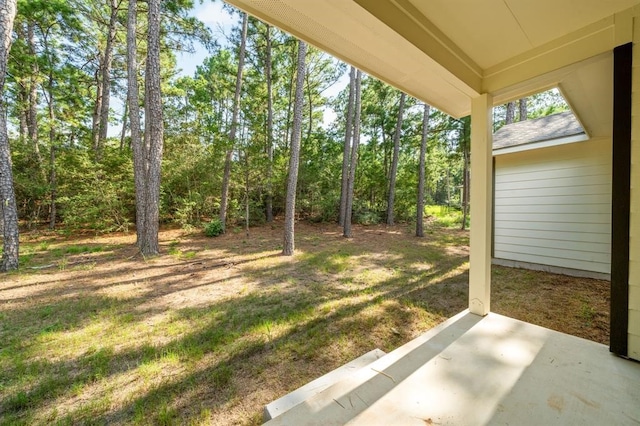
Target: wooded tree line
(227,137)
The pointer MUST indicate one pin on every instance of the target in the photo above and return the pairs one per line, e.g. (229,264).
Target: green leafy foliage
(62,63)
(99,198)
(213,228)
(445,217)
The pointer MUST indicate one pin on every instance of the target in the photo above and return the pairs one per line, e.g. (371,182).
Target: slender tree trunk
(522,107)
(385,151)
(394,162)
(347,144)
(287,135)
(465,186)
(32,112)
(106,77)
(154,132)
(95,118)
(465,191)
(421,173)
(448,187)
(224,199)
(269,200)
(53,184)
(465,144)
(354,156)
(8,206)
(310,101)
(511,113)
(139,151)
(246,193)
(290,208)
(123,133)
(22,94)
(52,152)
(22,127)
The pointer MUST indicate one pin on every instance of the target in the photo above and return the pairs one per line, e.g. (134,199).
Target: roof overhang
(541,144)
(446,54)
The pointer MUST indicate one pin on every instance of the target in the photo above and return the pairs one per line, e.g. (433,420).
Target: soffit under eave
(350,33)
(405,19)
(531,72)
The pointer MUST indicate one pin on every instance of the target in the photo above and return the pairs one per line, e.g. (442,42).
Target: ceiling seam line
(468,62)
(518,22)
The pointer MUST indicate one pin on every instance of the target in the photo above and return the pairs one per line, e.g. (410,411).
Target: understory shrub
(445,216)
(213,228)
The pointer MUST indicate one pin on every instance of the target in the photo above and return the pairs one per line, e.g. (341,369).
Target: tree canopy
(67,85)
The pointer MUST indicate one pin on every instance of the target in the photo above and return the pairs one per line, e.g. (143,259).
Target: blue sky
(219,21)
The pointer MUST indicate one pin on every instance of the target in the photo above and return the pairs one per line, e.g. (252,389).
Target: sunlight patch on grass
(210,341)
(421,266)
(452,273)
(85,400)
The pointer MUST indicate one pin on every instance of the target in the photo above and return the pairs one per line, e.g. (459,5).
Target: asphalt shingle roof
(554,126)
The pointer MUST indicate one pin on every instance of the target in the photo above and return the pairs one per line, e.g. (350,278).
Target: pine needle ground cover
(213,329)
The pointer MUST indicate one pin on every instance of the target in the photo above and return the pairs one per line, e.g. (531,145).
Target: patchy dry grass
(214,329)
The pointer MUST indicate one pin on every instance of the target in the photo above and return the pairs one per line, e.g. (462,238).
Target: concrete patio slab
(282,405)
(488,370)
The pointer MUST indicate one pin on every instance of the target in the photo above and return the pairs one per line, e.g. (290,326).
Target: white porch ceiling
(493,31)
(445,52)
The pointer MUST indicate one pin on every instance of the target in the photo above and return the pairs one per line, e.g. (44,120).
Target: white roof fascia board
(573,110)
(541,144)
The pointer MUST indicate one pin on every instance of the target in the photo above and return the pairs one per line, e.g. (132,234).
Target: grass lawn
(214,329)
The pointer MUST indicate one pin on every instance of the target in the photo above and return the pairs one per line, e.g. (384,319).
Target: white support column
(481,205)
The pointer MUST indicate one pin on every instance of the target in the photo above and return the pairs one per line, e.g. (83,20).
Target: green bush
(213,228)
(444,216)
(96,196)
(367,217)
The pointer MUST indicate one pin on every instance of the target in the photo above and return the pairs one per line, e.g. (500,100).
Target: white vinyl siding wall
(553,206)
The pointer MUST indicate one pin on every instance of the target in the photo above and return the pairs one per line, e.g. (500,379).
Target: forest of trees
(218,145)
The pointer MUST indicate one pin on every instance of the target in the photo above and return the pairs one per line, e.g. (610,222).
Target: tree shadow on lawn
(178,273)
(226,359)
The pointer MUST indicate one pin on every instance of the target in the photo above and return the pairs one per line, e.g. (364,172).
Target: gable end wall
(553,206)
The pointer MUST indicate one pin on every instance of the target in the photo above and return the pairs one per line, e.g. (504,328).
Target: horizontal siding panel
(598,228)
(582,237)
(514,174)
(505,165)
(555,209)
(578,246)
(557,153)
(634,347)
(543,200)
(595,189)
(634,297)
(554,261)
(569,182)
(562,157)
(585,218)
(634,272)
(634,322)
(587,152)
(569,255)
(553,206)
